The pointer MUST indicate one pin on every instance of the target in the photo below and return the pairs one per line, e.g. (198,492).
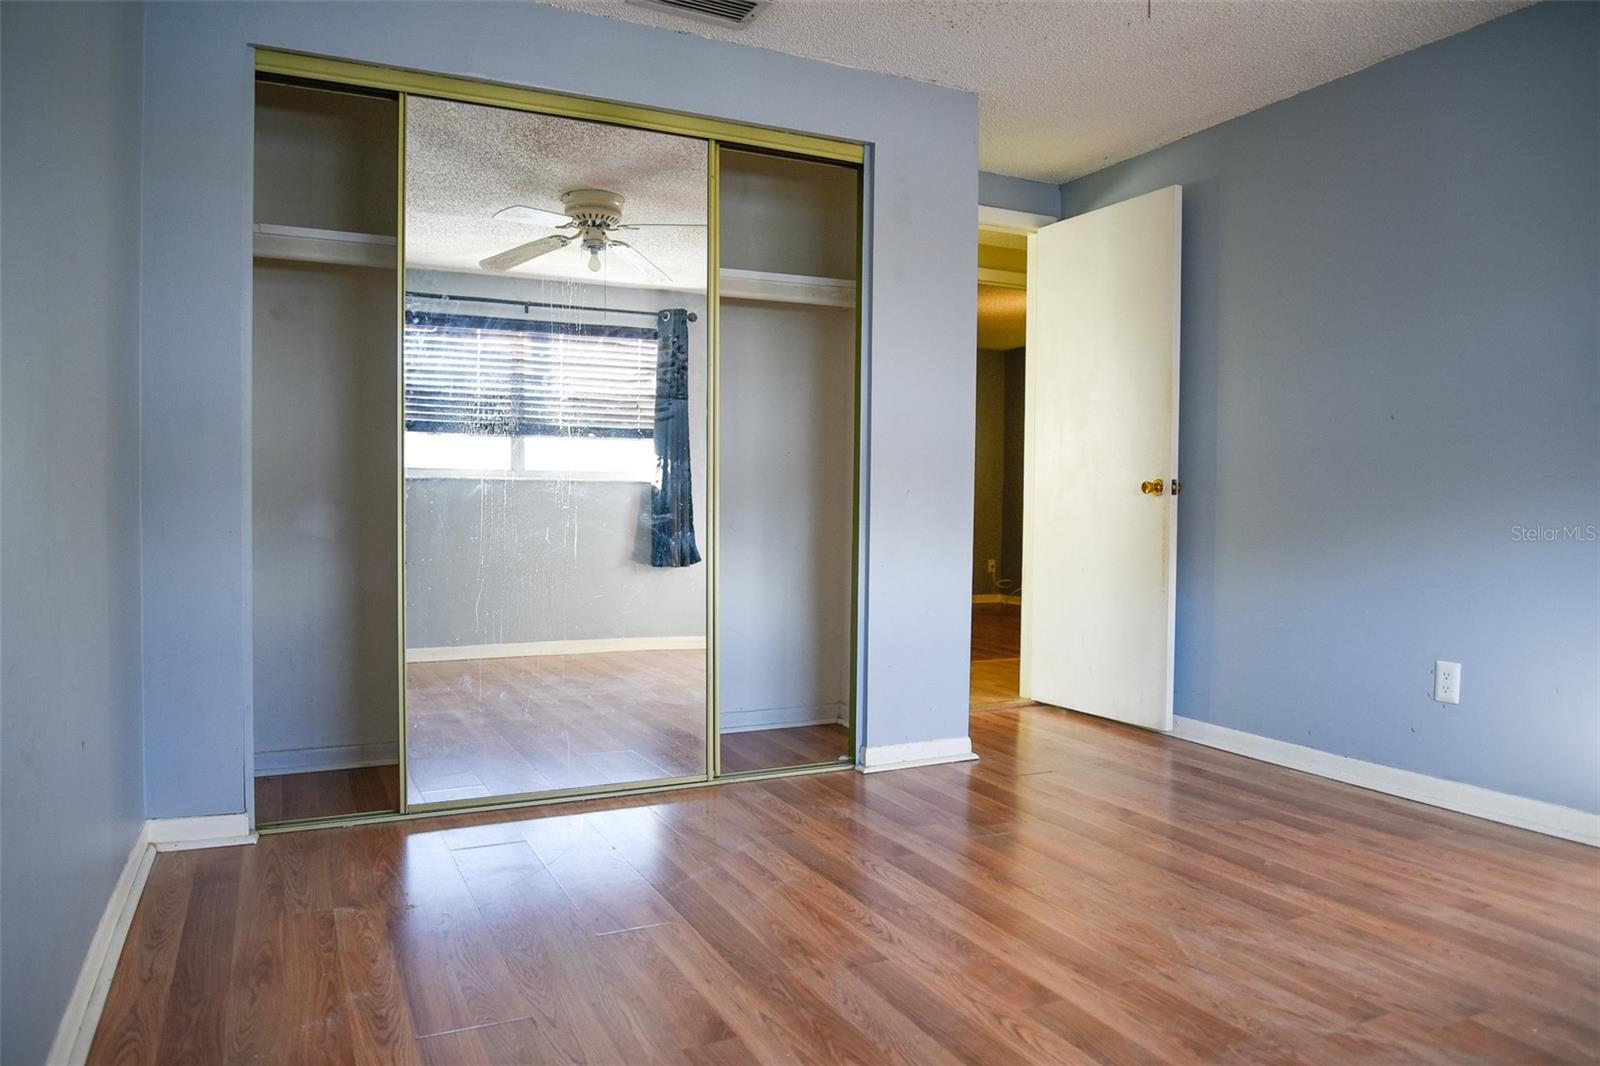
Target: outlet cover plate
(1447,681)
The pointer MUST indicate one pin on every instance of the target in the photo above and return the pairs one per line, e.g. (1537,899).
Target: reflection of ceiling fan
(592,216)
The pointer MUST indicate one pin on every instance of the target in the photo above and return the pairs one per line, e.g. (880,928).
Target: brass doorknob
(1152,488)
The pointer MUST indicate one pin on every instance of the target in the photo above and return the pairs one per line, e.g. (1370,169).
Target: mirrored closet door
(555,455)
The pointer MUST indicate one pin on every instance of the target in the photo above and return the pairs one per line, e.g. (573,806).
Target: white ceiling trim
(1008,221)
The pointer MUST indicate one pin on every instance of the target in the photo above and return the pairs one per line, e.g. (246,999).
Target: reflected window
(522,396)
(457,452)
(554,458)
(618,458)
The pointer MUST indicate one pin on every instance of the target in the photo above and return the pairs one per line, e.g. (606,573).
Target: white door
(1100,467)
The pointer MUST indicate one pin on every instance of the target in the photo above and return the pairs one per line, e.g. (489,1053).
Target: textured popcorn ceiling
(1066,87)
(464,162)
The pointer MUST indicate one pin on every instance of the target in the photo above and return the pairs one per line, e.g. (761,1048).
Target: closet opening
(787,382)
(324,439)
(556,447)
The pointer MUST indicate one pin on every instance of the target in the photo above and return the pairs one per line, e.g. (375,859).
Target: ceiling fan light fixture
(597,208)
(591,215)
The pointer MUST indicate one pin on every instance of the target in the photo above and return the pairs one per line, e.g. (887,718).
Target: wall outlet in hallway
(991,568)
(1447,682)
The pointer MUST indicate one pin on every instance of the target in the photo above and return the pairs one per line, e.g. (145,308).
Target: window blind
(521,377)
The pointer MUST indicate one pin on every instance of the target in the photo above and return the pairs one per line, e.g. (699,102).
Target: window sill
(527,475)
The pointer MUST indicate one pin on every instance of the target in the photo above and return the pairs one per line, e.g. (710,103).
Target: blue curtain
(672,497)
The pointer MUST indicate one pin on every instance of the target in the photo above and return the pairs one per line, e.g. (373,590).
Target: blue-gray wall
(1391,361)
(1018,194)
(195,365)
(71,783)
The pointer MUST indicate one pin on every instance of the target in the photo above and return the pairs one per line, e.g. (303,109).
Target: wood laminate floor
(766,749)
(1085,892)
(327,793)
(996,651)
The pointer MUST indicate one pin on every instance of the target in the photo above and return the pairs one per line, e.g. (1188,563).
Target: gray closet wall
(323,430)
(787,425)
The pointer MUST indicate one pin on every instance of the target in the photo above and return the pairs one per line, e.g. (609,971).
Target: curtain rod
(525,304)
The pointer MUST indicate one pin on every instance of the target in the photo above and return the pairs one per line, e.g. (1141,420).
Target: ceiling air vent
(732,12)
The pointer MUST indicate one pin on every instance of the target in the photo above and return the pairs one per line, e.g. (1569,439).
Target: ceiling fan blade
(524,252)
(662,225)
(643,260)
(535,216)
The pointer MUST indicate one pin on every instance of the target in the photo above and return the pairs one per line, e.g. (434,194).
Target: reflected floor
(504,727)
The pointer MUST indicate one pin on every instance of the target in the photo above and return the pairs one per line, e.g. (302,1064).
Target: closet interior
(555,450)
(787,386)
(324,446)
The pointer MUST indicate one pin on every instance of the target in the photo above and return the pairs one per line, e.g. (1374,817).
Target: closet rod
(525,304)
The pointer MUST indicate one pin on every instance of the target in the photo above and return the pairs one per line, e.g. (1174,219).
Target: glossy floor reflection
(1086,891)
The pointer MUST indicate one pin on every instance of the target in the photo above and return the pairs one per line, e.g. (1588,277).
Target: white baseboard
(452,653)
(917,753)
(996,597)
(782,717)
(1537,815)
(206,831)
(82,1015)
(336,757)
(88,999)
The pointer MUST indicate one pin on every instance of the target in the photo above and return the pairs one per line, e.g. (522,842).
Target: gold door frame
(716,133)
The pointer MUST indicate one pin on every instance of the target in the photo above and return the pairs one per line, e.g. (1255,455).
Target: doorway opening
(1076,467)
(997,482)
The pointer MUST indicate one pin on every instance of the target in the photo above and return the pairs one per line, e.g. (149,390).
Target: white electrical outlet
(991,568)
(1447,682)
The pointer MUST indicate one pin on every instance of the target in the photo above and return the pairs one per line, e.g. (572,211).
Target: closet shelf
(765,287)
(305,245)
